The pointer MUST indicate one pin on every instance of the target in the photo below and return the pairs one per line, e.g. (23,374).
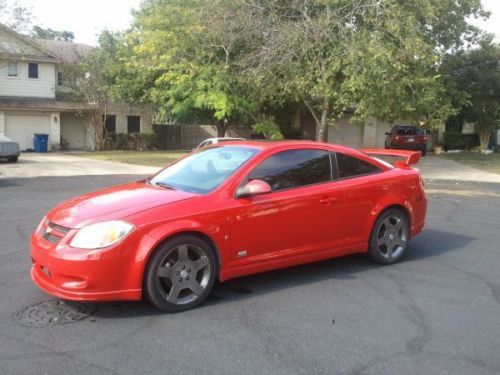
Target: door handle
(328,200)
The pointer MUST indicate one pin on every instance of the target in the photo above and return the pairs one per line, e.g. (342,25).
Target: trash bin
(40,142)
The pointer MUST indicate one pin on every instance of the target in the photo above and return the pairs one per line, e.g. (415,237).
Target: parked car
(226,211)
(9,149)
(213,141)
(407,137)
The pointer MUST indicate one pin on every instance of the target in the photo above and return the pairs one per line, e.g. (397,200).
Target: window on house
(349,166)
(60,79)
(294,168)
(110,124)
(12,69)
(133,124)
(32,70)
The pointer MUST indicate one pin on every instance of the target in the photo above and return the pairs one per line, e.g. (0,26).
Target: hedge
(133,141)
(459,141)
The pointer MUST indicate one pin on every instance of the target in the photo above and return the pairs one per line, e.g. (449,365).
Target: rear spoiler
(412,157)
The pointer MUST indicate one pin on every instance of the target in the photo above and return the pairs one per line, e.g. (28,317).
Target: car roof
(268,145)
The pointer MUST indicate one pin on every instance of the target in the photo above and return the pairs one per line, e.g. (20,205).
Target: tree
(474,75)
(185,56)
(379,58)
(48,33)
(17,16)
(90,83)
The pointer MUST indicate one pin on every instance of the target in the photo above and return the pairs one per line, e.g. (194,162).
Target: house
(30,71)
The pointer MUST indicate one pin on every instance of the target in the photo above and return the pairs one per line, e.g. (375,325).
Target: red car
(407,137)
(226,211)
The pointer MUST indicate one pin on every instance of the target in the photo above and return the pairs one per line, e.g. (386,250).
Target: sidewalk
(433,167)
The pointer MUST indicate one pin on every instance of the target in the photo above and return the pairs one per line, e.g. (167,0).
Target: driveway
(60,165)
(435,167)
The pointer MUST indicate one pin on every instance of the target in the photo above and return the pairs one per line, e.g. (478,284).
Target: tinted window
(32,70)
(410,130)
(349,166)
(294,168)
(133,124)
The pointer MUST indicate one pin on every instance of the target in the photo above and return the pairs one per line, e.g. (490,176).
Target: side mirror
(254,187)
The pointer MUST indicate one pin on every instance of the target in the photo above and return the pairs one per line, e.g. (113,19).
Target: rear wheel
(12,159)
(390,236)
(180,274)
(423,151)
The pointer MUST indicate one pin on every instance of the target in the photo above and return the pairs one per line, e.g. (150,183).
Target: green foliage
(459,141)
(134,141)
(48,33)
(474,76)
(269,129)
(229,61)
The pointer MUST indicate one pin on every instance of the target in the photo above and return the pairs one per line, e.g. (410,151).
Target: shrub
(459,141)
(133,141)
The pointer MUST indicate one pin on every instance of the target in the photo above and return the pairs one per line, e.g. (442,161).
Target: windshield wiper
(164,185)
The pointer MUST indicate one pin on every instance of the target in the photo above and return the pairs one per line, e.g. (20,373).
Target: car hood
(113,203)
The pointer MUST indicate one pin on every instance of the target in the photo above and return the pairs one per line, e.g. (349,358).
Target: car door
(363,190)
(302,214)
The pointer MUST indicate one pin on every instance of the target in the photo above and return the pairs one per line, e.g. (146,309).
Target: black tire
(390,236)
(12,159)
(424,151)
(180,274)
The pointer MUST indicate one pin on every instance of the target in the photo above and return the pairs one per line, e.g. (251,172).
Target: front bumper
(83,275)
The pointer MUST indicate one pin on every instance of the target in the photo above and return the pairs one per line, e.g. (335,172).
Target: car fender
(218,234)
(383,204)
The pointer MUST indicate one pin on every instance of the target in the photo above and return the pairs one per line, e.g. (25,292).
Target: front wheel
(180,274)
(390,236)
(12,159)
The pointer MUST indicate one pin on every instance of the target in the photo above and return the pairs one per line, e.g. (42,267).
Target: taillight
(425,139)
(396,138)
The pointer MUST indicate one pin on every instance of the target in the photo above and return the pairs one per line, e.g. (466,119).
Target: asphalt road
(437,312)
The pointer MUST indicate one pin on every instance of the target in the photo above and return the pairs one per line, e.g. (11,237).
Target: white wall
(41,87)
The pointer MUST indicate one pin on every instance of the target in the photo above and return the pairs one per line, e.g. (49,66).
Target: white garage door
(21,128)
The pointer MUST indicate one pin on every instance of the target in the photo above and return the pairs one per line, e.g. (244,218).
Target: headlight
(97,236)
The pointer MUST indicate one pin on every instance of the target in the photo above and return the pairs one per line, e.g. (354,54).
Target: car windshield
(203,171)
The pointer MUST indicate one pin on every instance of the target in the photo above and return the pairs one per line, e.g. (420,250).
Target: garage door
(21,128)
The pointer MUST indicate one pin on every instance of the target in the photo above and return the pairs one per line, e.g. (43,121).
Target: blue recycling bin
(40,142)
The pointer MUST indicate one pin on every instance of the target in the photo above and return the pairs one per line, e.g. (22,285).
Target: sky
(87,18)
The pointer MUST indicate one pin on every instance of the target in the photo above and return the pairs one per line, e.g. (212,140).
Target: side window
(133,124)
(32,70)
(349,166)
(294,168)
(12,70)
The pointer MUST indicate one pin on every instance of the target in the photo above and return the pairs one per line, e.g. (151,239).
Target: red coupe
(226,211)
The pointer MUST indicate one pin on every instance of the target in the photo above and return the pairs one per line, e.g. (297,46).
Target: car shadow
(430,243)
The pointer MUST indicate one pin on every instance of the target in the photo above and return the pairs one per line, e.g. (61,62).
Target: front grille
(54,232)
(50,237)
(59,228)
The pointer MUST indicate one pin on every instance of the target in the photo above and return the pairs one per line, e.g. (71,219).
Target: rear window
(410,130)
(349,166)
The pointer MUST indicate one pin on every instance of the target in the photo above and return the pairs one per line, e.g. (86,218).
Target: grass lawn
(488,163)
(149,158)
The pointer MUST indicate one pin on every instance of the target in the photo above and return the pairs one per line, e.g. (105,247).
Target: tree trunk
(322,124)
(484,138)
(221,129)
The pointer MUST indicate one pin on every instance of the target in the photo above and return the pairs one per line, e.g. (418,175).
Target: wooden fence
(186,137)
